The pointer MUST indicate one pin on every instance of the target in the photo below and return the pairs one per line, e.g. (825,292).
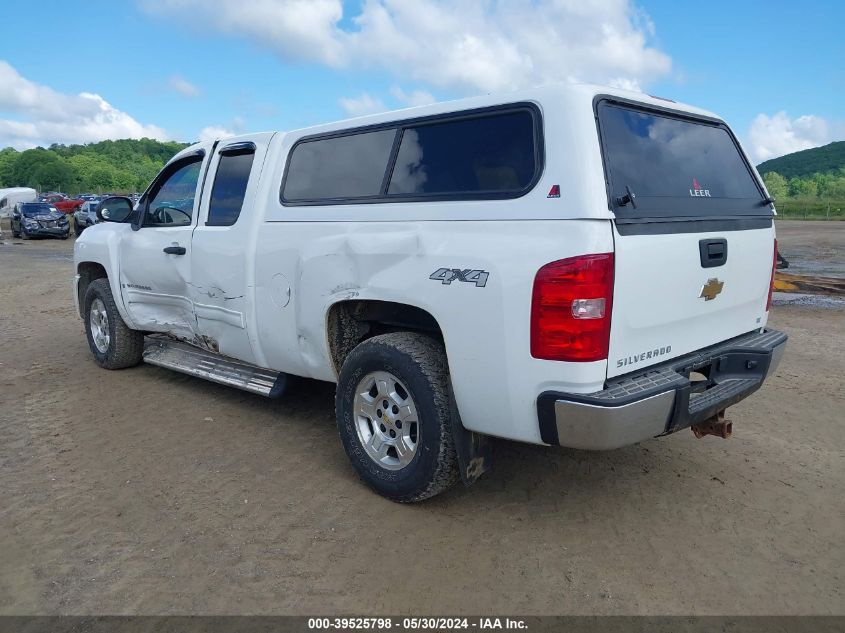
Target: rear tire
(404,449)
(113,344)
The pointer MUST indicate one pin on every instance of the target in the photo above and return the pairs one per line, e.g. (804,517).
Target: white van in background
(11,196)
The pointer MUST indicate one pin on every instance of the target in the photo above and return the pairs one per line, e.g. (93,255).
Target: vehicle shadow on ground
(523,476)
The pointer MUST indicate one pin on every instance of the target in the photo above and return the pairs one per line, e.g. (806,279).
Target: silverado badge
(712,288)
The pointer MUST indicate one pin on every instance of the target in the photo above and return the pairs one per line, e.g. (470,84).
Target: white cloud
(44,116)
(361,105)
(465,45)
(184,87)
(413,98)
(299,28)
(776,135)
(214,132)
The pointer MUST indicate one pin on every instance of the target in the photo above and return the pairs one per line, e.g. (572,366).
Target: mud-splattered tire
(412,403)
(112,343)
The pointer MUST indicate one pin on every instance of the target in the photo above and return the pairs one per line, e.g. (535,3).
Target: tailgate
(693,234)
(661,307)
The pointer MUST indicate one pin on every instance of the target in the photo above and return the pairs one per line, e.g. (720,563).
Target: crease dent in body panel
(343,267)
(213,292)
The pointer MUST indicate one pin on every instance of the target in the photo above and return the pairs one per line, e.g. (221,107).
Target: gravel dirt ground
(147,492)
(813,248)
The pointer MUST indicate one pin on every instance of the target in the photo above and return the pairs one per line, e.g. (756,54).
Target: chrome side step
(194,361)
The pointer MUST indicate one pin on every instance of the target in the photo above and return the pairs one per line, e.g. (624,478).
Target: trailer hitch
(714,425)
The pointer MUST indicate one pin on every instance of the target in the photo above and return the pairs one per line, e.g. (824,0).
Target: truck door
(155,259)
(223,246)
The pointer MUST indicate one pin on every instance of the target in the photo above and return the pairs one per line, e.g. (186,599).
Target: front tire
(113,344)
(393,416)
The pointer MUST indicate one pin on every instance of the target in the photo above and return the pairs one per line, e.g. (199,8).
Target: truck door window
(172,201)
(227,194)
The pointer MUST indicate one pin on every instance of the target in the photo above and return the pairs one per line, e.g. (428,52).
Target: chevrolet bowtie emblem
(711,289)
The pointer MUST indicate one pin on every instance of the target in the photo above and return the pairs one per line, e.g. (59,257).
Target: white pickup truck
(576,266)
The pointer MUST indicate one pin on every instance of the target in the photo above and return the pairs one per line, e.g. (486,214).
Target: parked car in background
(62,202)
(39,219)
(86,215)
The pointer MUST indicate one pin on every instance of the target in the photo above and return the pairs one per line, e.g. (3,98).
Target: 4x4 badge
(711,289)
(448,275)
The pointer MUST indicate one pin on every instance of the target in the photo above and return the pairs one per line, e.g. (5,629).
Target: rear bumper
(661,399)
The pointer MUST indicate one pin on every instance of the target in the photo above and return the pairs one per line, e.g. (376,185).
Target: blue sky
(184,69)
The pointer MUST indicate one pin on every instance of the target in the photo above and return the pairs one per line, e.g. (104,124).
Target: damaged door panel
(223,263)
(155,257)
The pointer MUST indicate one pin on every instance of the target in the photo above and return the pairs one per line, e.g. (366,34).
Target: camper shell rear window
(674,166)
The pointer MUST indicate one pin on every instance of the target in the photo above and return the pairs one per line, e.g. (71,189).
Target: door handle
(713,252)
(175,250)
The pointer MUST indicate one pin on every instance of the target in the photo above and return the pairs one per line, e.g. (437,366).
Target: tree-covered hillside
(113,166)
(818,160)
(808,183)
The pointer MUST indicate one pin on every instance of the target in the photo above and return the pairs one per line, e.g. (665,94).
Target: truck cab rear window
(674,166)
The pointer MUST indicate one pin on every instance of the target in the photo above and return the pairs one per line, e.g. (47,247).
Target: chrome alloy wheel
(386,420)
(99,324)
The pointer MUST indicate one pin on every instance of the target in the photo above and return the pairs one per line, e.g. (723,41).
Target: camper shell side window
(487,153)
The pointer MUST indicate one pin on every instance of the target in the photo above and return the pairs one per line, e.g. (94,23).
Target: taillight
(772,280)
(570,309)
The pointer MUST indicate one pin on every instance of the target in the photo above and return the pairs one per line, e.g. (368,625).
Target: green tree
(54,175)
(44,169)
(803,188)
(8,158)
(776,184)
(102,178)
(120,166)
(836,189)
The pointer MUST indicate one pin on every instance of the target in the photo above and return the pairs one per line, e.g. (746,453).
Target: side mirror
(115,209)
